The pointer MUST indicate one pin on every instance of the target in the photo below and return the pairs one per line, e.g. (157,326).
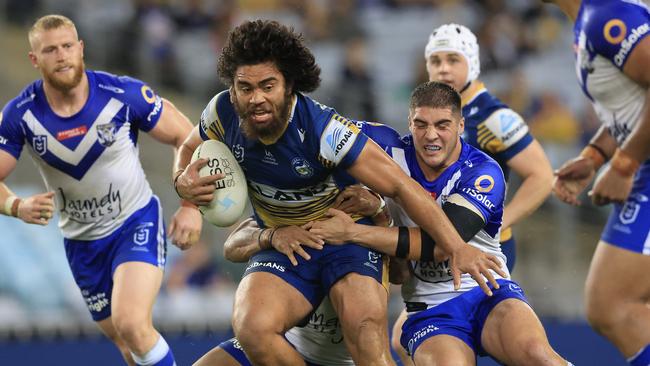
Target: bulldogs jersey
(605,33)
(478,179)
(90,160)
(321,340)
(296,179)
(494,128)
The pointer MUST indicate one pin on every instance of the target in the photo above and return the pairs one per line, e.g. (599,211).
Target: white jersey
(605,33)
(90,160)
(475,180)
(321,341)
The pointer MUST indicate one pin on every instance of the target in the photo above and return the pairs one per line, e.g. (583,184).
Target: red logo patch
(73,132)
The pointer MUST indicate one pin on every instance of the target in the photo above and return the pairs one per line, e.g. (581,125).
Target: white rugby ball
(231,192)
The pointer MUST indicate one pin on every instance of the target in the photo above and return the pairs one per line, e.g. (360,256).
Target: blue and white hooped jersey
(494,128)
(605,34)
(296,179)
(479,181)
(90,160)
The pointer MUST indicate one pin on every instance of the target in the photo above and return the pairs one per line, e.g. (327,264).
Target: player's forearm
(388,240)
(246,240)
(8,201)
(604,141)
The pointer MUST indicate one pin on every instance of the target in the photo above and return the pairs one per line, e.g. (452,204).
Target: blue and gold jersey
(89,159)
(494,128)
(296,179)
(605,34)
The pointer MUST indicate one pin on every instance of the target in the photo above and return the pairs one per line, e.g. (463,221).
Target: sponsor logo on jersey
(156,108)
(26,100)
(302,167)
(306,193)
(106,133)
(39,142)
(420,334)
(615,31)
(340,135)
(636,34)
(484,183)
(73,132)
(92,209)
(432,271)
(96,302)
(148,94)
(141,235)
(481,198)
(269,158)
(271,265)
(111,88)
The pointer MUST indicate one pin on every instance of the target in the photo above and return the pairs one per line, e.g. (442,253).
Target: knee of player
(366,323)
(602,317)
(534,351)
(132,331)
(250,327)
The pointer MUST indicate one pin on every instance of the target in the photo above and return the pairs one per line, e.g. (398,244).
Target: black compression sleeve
(466,221)
(403,243)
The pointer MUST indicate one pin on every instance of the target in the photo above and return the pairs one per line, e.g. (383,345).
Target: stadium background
(371,53)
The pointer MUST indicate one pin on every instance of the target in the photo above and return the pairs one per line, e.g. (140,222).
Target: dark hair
(435,95)
(259,41)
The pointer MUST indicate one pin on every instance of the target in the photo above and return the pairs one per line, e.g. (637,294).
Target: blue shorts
(628,226)
(314,277)
(233,348)
(140,239)
(462,317)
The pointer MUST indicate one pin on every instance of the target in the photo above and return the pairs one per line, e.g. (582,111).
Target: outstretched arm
(173,128)
(425,212)
(401,242)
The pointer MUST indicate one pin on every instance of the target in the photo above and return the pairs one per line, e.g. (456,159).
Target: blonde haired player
(81,129)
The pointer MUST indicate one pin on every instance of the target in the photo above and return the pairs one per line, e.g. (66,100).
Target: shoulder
(215,116)
(613,28)
(384,135)
(481,171)
(123,87)
(22,102)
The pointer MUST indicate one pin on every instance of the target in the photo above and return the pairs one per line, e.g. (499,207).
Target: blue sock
(159,355)
(642,358)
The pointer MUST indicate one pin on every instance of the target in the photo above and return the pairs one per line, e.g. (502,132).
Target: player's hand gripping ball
(231,192)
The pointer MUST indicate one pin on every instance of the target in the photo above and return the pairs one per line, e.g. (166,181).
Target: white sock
(155,354)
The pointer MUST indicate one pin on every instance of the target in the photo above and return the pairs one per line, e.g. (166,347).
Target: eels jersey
(493,127)
(605,33)
(90,160)
(296,179)
(478,179)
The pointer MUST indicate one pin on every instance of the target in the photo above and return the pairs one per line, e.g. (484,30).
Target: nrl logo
(39,142)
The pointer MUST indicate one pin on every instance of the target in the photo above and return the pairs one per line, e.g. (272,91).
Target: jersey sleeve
(614,30)
(145,106)
(383,135)
(211,125)
(484,187)
(12,137)
(341,141)
(503,134)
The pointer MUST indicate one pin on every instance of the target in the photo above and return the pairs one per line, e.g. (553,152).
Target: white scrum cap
(456,38)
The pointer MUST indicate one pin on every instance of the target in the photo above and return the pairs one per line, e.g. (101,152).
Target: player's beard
(273,128)
(65,84)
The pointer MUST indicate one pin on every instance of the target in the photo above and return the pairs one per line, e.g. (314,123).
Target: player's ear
(232,94)
(461,126)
